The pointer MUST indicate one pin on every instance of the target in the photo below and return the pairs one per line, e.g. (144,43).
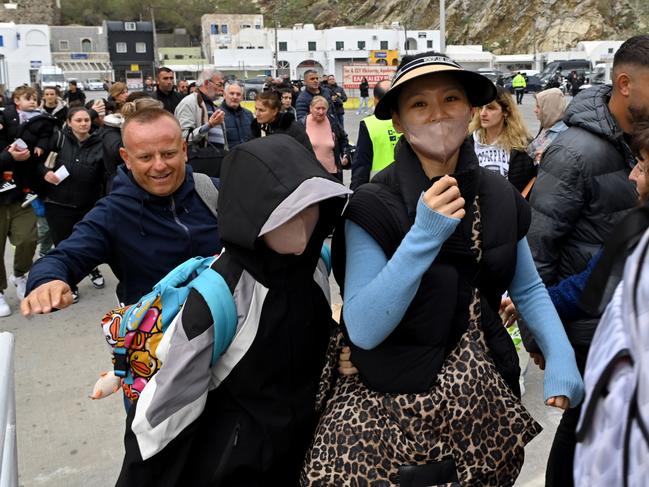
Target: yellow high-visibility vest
(384,137)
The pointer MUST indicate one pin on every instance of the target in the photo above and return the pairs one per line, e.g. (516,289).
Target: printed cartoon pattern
(141,343)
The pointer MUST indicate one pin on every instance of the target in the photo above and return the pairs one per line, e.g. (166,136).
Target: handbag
(205,157)
(50,162)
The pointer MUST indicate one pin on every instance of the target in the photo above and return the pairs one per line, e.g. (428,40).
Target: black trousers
(562,454)
(61,220)
(519,95)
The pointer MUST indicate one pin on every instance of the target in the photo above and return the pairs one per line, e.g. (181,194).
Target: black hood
(264,183)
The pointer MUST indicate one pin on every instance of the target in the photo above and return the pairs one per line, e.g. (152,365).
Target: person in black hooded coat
(269,120)
(247,420)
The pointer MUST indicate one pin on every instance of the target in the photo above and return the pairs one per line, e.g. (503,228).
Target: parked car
(94,84)
(253,87)
(534,84)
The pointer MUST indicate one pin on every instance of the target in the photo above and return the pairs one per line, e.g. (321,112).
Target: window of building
(179,56)
(610,50)
(429,44)
(258,26)
(340,45)
(214,29)
(165,57)
(86,45)
(384,44)
(64,45)
(312,45)
(130,26)
(361,45)
(140,47)
(224,28)
(2,41)
(246,26)
(421,35)
(120,47)
(283,46)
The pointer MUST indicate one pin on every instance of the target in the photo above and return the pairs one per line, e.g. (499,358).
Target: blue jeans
(364,103)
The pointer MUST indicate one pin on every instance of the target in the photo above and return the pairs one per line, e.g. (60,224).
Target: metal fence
(8,448)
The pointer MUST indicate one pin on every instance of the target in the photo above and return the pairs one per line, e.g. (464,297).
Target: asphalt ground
(66,439)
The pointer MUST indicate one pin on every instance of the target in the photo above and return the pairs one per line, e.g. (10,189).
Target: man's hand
(444,197)
(18,154)
(38,152)
(52,178)
(46,297)
(217,118)
(345,367)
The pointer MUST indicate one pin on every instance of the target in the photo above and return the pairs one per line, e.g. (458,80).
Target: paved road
(67,440)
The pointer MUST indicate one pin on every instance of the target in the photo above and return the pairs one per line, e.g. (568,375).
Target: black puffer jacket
(84,161)
(581,193)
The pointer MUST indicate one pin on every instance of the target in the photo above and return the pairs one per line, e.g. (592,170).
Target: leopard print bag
(470,420)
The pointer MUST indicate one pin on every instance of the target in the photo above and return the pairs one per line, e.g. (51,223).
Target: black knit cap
(479,89)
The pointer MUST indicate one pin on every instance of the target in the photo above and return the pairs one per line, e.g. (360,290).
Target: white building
(24,48)
(470,57)
(302,47)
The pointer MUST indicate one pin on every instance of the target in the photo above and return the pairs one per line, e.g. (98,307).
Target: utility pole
(155,41)
(442,26)
(276,43)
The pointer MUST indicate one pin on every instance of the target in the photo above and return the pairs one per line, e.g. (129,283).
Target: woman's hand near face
(444,197)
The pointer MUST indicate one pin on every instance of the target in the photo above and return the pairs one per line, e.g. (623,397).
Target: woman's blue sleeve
(378,291)
(532,301)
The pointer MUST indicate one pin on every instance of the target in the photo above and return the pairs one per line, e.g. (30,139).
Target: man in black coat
(338,97)
(165,91)
(237,118)
(581,193)
(74,96)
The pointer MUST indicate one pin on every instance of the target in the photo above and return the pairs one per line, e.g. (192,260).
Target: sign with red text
(353,74)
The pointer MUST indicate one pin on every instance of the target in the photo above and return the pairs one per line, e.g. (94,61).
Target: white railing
(8,449)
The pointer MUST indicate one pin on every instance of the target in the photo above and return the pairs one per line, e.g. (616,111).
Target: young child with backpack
(232,397)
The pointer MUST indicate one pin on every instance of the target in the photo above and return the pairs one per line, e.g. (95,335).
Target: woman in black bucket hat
(428,249)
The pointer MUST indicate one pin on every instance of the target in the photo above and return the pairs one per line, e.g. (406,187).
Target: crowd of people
(458,223)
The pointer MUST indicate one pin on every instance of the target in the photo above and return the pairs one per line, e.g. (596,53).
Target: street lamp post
(442,26)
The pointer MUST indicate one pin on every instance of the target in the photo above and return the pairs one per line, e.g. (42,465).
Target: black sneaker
(96,278)
(75,296)
(6,186)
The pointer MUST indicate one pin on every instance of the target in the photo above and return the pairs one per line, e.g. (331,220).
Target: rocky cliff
(501,26)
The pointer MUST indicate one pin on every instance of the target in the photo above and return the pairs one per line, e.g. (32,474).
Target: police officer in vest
(376,141)
(519,84)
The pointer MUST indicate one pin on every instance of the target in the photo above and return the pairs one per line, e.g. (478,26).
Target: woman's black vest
(410,358)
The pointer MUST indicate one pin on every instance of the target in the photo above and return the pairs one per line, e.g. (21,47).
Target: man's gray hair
(208,74)
(234,82)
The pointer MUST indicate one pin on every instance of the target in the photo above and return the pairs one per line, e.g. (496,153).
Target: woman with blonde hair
(117,96)
(329,140)
(500,139)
